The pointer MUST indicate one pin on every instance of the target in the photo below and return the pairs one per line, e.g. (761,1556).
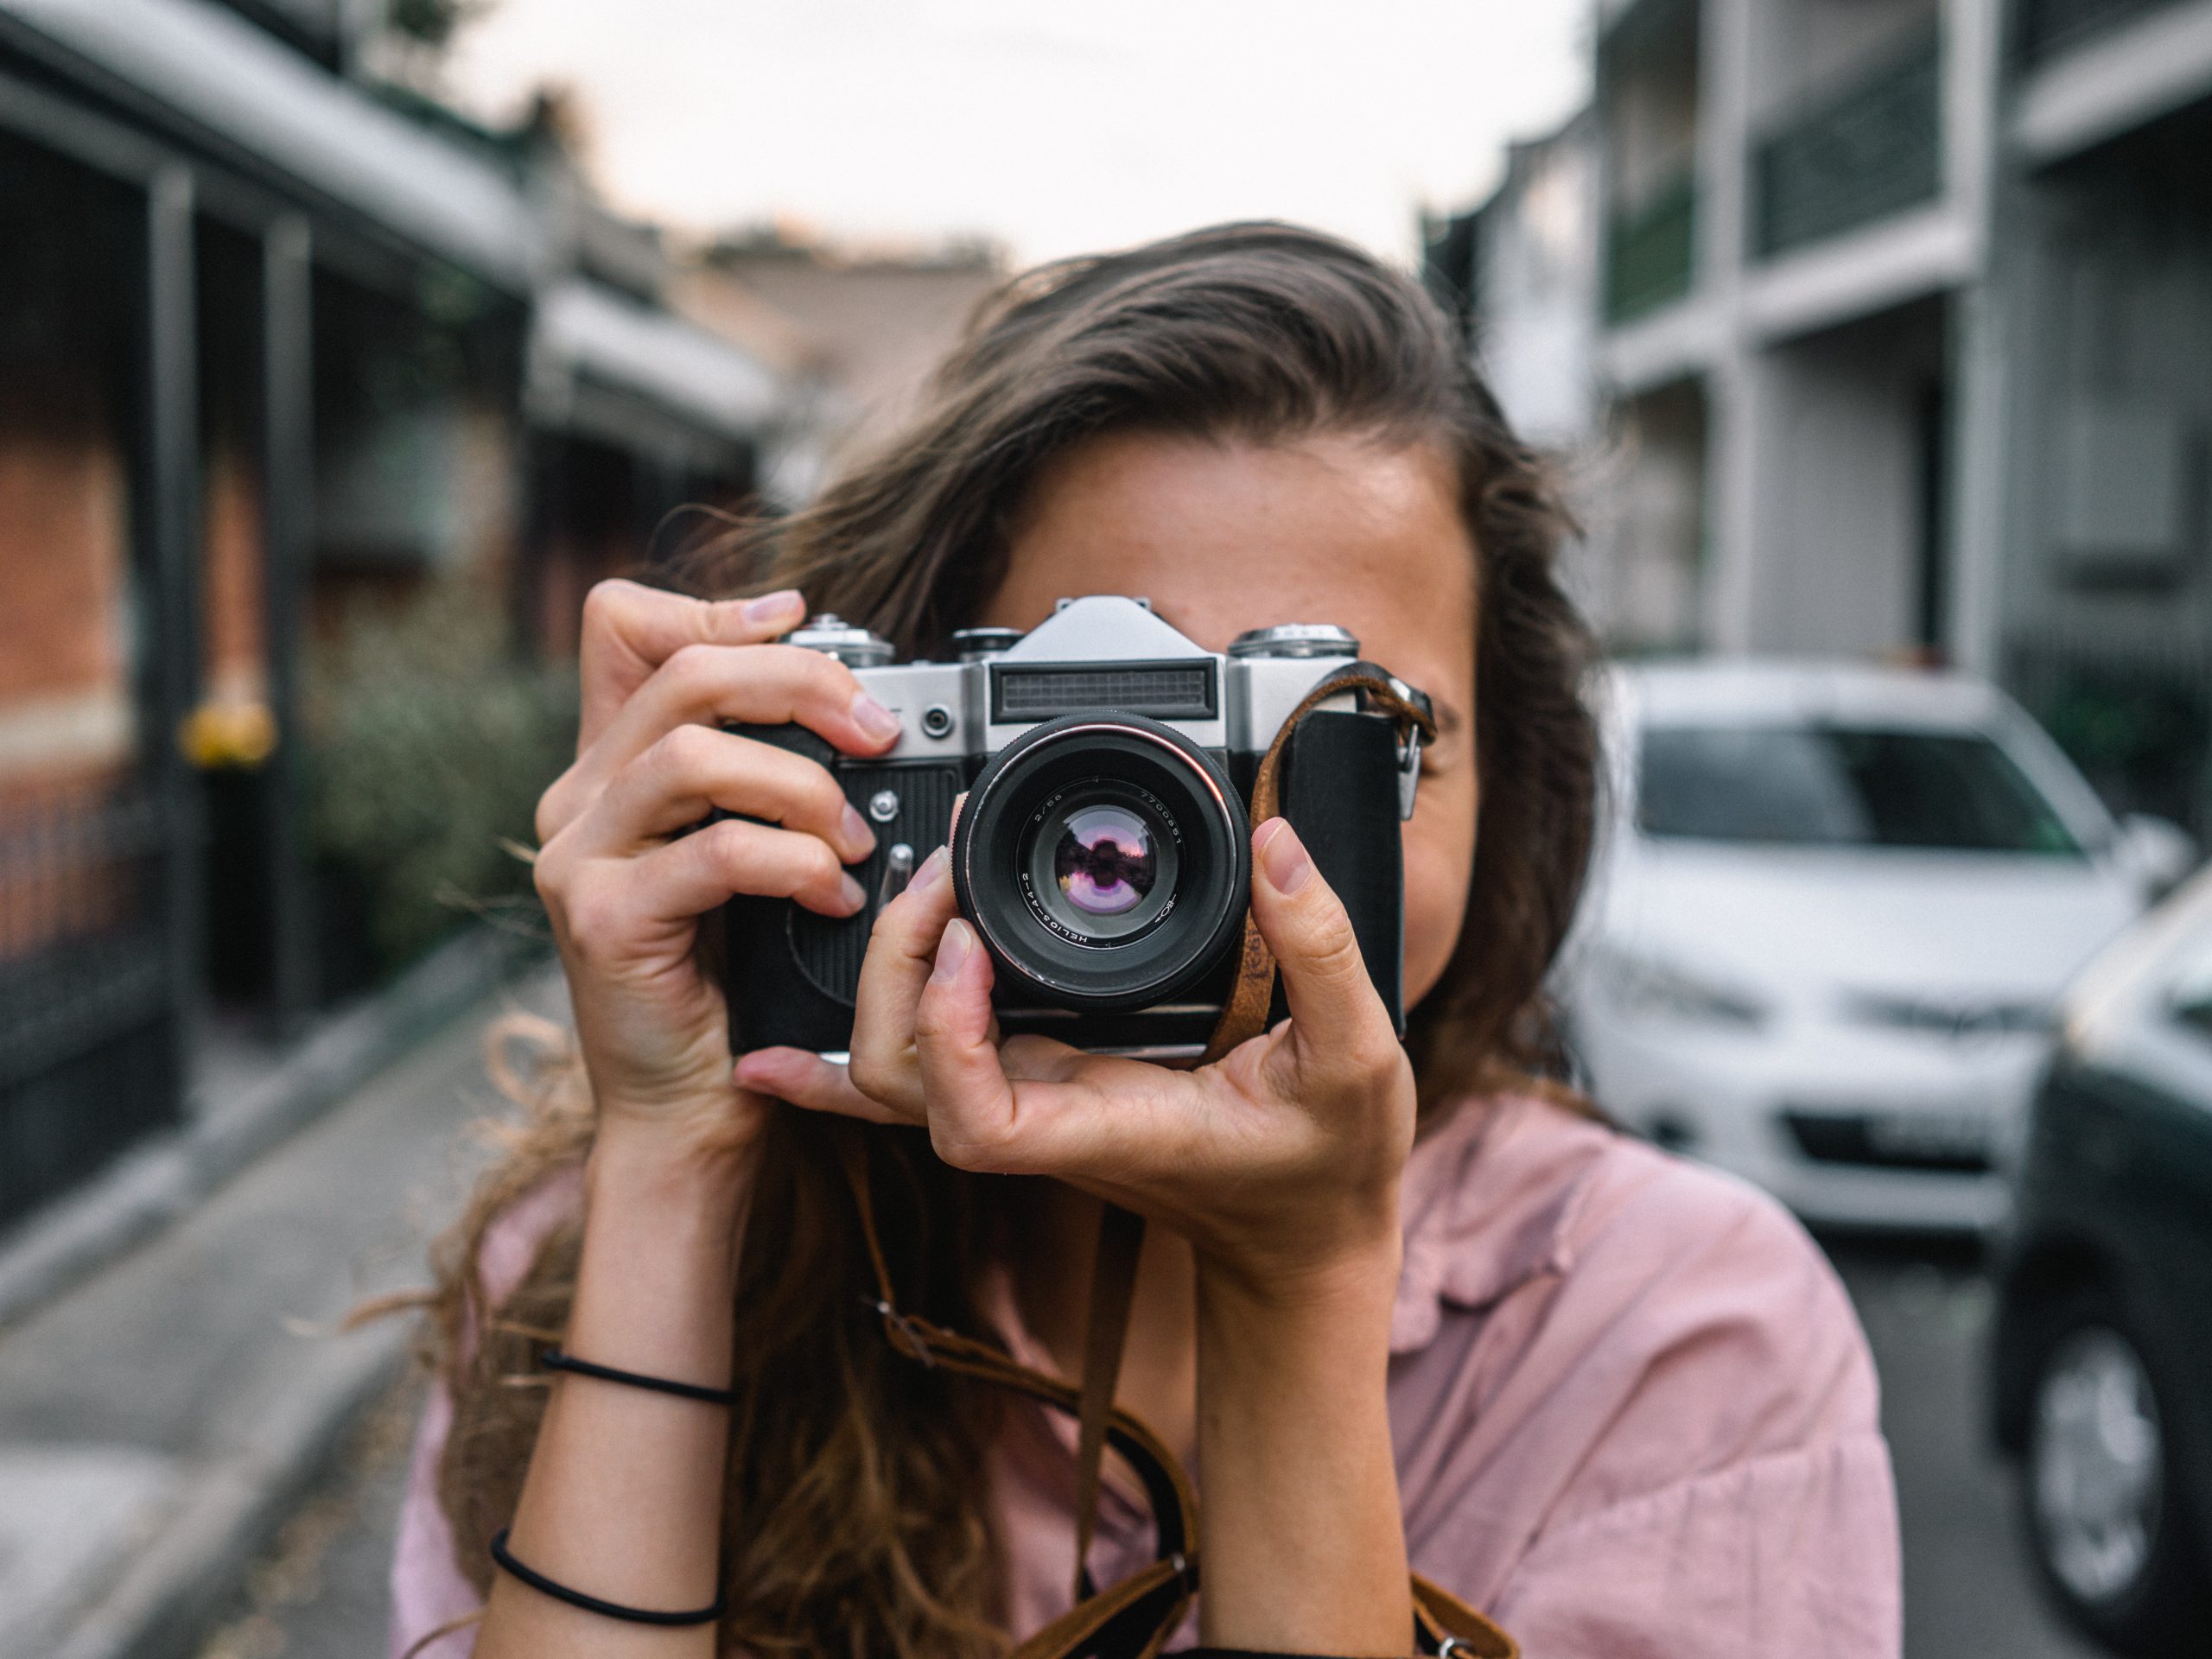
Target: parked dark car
(2101,1368)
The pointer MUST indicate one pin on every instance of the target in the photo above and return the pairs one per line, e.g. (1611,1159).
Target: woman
(1399,1305)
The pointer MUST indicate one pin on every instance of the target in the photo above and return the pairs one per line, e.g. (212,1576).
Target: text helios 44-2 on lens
(1104,853)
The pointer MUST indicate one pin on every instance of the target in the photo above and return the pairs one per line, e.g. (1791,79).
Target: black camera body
(1103,852)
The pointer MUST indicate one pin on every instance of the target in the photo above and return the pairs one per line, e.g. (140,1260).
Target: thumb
(1336,1016)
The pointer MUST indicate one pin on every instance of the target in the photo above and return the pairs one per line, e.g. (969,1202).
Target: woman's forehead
(1225,536)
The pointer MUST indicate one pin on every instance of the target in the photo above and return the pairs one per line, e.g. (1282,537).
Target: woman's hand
(666,1190)
(624,887)
(1280,1162)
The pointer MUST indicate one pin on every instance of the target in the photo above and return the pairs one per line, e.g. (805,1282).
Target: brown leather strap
(1113,1284)
(1133,1617)
(1441,1616)
(1244,1016)
(1167,1488)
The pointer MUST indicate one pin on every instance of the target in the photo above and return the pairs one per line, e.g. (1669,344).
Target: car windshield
(1842,786)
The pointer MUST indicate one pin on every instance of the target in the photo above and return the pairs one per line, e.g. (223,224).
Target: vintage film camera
(1104,853)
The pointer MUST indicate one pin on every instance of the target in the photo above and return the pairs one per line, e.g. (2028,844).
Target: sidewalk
(160,1420)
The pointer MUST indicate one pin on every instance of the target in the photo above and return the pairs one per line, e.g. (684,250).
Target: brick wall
(67,712)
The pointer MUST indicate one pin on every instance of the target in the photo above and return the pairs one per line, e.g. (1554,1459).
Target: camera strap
(1244,1014)
(1132,1619)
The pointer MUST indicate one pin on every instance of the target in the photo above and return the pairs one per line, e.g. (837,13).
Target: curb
(158,1182)
(229,1512)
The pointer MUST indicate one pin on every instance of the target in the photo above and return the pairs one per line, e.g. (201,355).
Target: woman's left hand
(1280,1162)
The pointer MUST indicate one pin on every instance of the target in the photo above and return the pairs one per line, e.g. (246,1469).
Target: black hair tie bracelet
(544,1585)
(554,1360)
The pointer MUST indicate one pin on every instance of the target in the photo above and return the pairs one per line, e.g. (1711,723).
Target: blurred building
(2083,518)
(1904,328)
(1520,273)
(855,333)
(275,335)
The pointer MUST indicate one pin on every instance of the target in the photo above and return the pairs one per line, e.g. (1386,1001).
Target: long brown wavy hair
(852,1521)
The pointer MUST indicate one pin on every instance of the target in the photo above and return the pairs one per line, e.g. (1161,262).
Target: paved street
(319,1593)
(1968,1594)
(163,1406)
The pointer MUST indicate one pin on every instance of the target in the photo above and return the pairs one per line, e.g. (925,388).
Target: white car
(1831,910)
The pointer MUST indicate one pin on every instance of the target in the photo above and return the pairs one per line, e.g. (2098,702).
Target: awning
(212,71)
(591,333)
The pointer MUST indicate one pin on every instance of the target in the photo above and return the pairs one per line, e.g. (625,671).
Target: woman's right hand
(625,889)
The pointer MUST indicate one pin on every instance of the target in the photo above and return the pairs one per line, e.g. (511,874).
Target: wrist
(674,1184)
(657,1281)
(1343,1300)
(1323,1268)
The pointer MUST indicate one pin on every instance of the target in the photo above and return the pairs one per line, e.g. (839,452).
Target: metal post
(172,475)
(1990,357)
(288,528)
(544,513)
(1738,384)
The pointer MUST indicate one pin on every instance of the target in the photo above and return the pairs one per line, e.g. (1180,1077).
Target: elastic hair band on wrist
(546,1586)
(554,1360)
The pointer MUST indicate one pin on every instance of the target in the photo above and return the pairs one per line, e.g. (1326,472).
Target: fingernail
(953,951)
(855,894)
(857,834)
(932,870)
(872,718)
(1282,856)
(769,607)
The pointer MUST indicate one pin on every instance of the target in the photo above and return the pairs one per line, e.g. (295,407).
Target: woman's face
(1225,536)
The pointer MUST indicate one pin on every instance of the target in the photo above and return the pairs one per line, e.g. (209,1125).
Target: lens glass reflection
(1100,862)
(1104,864)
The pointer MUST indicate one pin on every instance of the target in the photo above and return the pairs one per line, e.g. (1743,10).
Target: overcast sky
(1051,128)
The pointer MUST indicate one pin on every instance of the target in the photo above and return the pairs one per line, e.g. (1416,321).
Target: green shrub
(431,743)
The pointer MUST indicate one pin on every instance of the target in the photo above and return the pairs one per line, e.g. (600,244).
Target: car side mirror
(2158,851)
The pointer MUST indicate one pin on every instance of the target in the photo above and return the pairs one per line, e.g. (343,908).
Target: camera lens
(1102,858)
(1101,864)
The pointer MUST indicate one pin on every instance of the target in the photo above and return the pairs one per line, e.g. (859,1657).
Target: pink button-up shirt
(1633,1410)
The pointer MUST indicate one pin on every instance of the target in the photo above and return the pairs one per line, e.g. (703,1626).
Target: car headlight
(1647,989)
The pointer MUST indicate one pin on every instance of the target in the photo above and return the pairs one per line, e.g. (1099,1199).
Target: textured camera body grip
(791,973)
